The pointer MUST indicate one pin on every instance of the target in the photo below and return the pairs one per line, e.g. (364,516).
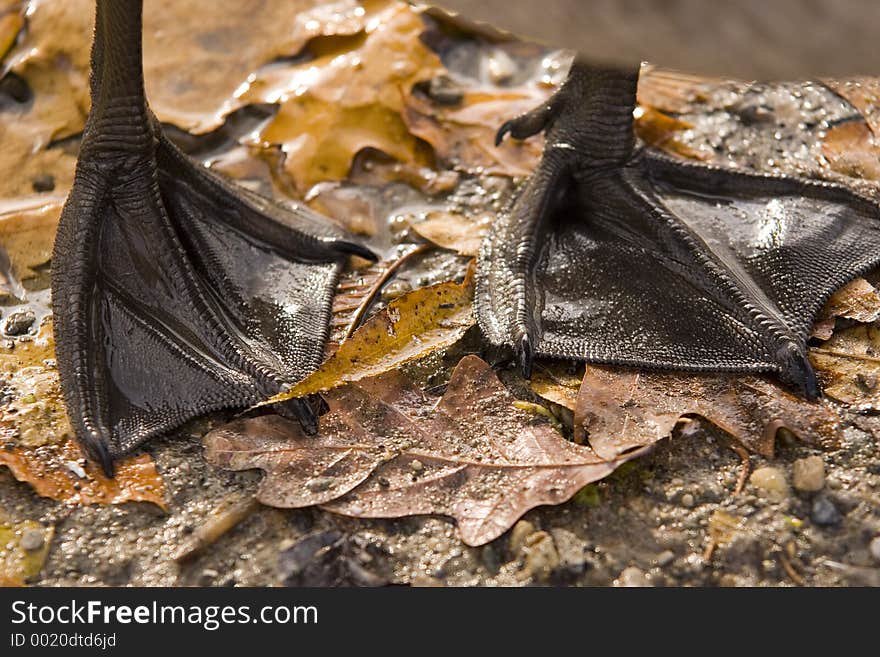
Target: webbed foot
(621,255)
(175,292)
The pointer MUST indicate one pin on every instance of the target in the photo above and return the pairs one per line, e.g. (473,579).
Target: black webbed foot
(175,293)
(614,254)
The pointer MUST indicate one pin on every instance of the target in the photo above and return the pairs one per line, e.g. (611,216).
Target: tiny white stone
(76,469)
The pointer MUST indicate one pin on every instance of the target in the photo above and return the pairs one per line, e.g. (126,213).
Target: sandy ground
(649,525)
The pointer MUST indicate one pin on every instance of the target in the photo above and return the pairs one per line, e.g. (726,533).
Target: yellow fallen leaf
(49,99)
(464,135)
(863,93)
(53,59)
(659,130)
(851,149)
(222,42)
(199,55)
(412,326)
(670,91)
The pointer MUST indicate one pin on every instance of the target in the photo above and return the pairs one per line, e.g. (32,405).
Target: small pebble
(687,500)
(874,548)
(76,469)
(632,577)
(32,540)
(417,466)
(19,323)
(208,575)
(572,553)
(770,483)
(824,512)
(808,474)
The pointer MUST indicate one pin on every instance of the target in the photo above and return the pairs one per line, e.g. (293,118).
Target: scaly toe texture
(175,293)
(618,255)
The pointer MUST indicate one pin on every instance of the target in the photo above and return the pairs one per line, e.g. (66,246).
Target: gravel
(824,512)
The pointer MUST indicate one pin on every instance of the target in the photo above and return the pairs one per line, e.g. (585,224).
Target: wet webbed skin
(175,293)
(616,254)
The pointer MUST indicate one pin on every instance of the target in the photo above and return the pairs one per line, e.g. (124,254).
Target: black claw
(526,354)
(301,411)
(503,131)
(96,449)
(797,371)
(353,248)
(107,464)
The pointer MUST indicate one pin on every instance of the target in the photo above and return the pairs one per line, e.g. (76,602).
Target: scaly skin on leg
(175,293)
(617,254)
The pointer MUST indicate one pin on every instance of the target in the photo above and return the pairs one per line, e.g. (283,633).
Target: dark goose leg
(175,293)
(614,254)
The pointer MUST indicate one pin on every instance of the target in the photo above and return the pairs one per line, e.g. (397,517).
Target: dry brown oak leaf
(619,410)
(388,450)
